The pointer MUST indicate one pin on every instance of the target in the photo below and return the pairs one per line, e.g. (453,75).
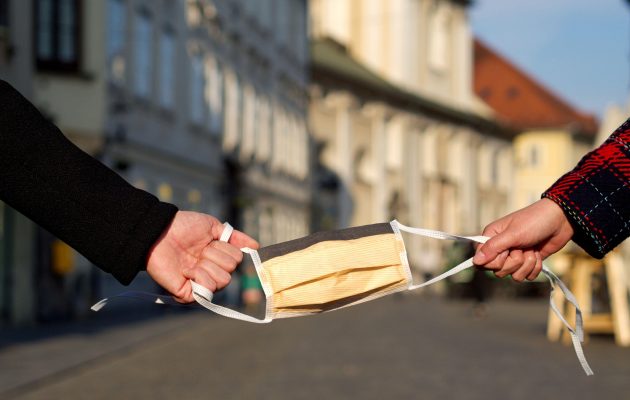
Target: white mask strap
(577,334)
(201,294)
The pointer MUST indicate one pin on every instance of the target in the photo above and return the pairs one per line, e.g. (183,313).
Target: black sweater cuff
(72,195)
(134,255)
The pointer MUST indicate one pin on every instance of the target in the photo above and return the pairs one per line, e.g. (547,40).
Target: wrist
(155,251)
(557,214)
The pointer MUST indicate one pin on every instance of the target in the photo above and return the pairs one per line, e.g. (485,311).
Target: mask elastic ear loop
(203,295)
(577,334)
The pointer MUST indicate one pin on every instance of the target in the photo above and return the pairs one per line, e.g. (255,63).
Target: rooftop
(519,100)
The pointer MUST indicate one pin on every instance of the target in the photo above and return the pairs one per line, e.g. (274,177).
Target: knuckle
(517,277)
(208,251)
(231,266)
(224,279)
(492,266)
(518,258)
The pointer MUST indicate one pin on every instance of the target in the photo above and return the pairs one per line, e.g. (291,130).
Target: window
(232,110)
(302,32)
(214,77)
(57,35)
(4,14)
(264,13)
(143,67)
(167,68)
(116,39)
(280,138)
(298,29)
(534,157)
(303,156)
(4,29)
(439,38)
(196,89)
(282,21)
(115,27)
(494,168)
(263,137)
(249,121)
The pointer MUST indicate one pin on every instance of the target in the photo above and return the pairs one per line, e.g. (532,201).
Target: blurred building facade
(398,124)
(17,233)
(200,102)
(552,135)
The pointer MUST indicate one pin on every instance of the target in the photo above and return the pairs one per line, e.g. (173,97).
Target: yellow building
(541,157)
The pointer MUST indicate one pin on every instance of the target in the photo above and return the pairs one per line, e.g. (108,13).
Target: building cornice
(332,66)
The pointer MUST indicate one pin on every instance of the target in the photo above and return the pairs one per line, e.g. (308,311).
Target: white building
(394,110)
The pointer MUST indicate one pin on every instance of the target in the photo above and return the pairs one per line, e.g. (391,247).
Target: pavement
(398,347)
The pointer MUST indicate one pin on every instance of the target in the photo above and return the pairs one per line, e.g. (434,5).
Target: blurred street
(400,347)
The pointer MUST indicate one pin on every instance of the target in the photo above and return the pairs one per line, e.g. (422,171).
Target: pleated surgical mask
(330,270)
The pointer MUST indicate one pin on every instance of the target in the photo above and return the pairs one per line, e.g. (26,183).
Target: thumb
(492,248)
(240,240)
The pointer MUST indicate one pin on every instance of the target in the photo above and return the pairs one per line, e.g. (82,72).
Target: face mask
(330,270)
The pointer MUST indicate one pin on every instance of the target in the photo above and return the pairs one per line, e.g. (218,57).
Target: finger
(537,268)
(202,277)
(237,238)
(512,263)
(223,254)
(487,252)
(497,263)
(220,277)
(528,266)
(184,293)
(240,240)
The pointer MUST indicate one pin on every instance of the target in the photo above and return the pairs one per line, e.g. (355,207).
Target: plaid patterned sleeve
(595,195)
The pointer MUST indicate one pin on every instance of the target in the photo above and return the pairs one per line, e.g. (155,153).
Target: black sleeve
(50,180)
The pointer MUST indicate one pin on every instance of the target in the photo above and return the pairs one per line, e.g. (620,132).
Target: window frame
(196,92)
(166,90)
(138,87)
(4,14)
(55,63)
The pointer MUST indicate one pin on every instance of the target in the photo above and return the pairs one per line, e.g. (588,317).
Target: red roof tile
(518,99)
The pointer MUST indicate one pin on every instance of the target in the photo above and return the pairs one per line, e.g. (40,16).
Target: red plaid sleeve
(595,195)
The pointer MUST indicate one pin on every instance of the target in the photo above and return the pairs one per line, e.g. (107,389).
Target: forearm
(75,197)
(595,195)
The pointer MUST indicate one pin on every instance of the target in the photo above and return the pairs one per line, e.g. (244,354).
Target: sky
(578,48)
